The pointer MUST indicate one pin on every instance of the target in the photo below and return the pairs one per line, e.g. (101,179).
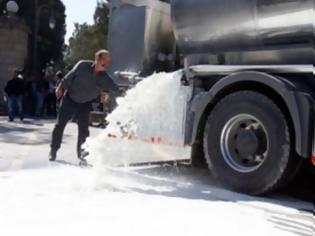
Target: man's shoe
(83,162)
(52,155)
(82,154)
(82,157)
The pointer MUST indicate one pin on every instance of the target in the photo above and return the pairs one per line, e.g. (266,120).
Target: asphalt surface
(25,145)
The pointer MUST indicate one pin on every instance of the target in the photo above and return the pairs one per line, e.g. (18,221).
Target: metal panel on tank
(126,41)
(245,31)
(140,37)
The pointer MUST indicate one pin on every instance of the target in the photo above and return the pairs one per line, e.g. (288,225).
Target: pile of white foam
(153,108)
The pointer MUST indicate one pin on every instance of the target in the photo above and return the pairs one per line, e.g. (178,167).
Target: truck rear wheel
(247,143)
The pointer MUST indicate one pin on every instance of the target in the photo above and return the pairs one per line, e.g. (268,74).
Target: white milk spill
(146,126)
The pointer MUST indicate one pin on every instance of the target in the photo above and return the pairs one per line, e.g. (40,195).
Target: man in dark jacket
(14,90)
(86,81)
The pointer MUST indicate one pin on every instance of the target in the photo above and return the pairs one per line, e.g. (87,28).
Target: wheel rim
(244,143)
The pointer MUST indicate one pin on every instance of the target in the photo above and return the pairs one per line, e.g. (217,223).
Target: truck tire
(247,144)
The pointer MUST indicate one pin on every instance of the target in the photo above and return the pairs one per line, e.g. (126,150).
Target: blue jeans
(15,106)
(39,103)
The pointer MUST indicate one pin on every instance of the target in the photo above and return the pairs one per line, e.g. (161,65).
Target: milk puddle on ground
(147,125)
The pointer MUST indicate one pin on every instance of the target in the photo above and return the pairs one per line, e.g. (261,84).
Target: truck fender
(299,104)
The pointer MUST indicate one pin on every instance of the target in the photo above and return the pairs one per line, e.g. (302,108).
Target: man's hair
(99,54)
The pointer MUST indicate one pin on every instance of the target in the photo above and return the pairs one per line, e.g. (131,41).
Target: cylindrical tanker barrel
(246,31)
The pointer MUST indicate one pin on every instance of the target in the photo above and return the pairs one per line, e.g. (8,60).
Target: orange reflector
(154,140)
(313,160)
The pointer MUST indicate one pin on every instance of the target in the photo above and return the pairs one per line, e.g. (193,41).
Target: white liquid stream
(153,111)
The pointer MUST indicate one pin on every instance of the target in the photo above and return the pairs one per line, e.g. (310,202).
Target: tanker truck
(249,65)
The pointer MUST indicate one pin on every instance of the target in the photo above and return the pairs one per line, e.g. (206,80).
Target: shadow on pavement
(190,183)
(19,133)
(62,162)
(197,184)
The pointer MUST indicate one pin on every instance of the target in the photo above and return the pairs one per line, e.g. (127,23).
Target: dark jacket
(83,85)
(15,87)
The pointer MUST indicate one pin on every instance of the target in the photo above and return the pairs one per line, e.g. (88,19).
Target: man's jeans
(15,103)
(69,110)
(39,103)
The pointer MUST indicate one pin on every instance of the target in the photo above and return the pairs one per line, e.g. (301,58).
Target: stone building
(13,50)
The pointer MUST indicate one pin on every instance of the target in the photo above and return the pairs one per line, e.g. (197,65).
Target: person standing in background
(14,90)
(50,99)
(40,89)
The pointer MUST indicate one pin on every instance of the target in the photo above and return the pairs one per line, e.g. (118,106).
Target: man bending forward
(85,82)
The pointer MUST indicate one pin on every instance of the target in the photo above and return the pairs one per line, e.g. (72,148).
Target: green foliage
(87,39)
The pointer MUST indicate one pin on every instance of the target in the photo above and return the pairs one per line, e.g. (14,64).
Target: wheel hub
(244,143)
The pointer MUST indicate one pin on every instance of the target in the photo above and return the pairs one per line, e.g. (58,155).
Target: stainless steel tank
(140,37)
(239,32)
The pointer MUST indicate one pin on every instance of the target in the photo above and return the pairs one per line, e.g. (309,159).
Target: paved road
(25,145)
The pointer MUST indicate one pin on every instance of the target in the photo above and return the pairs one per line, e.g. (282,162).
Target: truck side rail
(206,70)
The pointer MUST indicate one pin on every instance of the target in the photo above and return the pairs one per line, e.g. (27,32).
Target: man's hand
(59,91)
(104,97)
